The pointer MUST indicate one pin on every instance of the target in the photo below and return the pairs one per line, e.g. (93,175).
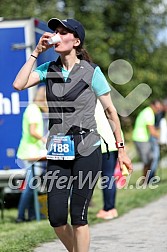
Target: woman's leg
(156,156)
(58,189)
(26,196)
(65,234)
(109,188)
(86,171)
(81,238)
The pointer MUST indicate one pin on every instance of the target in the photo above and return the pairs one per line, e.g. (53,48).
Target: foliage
(115,29)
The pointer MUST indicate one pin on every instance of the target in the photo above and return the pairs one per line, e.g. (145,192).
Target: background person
(155,142)
(31,146)
(163,125)
(72,78)
(108,165)
(144,128)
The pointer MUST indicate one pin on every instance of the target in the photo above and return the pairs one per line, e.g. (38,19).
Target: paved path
(140,230)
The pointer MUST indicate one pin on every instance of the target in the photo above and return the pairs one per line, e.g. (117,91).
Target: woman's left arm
(112,116)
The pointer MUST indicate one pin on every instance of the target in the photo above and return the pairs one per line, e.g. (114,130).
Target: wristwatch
(119,145)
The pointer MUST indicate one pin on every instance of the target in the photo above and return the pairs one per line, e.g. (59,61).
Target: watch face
(119,144)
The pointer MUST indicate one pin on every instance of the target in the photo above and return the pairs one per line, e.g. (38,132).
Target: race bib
(61,148)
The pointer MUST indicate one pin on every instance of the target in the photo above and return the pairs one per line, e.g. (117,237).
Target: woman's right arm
(26,78)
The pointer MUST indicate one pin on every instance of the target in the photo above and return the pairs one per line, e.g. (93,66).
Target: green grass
(26,236)
(128,199)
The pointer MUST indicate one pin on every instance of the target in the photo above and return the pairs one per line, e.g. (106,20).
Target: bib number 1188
(59,147)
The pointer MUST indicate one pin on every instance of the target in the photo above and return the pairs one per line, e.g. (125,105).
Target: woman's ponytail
(82,54)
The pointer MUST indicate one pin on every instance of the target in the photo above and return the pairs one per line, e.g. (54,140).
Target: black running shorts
(72,182)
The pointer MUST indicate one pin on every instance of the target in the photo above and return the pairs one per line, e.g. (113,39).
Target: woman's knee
(79,210)
(59,230)
(57,220)
(57,214)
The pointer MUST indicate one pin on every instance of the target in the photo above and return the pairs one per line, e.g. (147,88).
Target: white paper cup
(54,40)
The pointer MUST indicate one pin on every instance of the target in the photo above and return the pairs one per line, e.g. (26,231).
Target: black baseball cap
(71,24)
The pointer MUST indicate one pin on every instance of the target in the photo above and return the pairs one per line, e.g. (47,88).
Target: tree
(115,29)
(132,28)
(33,8)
